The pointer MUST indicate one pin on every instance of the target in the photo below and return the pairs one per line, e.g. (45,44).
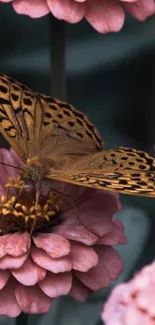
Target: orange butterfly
(58,142)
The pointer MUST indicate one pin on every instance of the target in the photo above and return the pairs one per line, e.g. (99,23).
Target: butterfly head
(31,173)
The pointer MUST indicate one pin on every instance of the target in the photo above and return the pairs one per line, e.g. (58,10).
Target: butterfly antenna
(2,163)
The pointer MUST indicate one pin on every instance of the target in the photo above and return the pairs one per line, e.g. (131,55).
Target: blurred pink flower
(103,15)
(132,302)
(69,251)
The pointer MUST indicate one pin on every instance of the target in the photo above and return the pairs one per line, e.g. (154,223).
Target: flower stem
(22,319)
(58,57)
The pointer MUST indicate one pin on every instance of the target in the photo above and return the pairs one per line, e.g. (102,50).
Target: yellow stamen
(47,217)
(17,205)
(45,208)
(25,209)
(5,211)
(32,209)
(51,213)
(18,214)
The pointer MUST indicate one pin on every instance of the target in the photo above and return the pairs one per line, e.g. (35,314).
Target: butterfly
(58,142)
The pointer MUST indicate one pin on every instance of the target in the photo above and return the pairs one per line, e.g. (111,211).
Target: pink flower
(103,15)
(63,247)
(133,302)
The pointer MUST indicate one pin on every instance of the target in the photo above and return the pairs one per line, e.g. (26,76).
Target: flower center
(18,211)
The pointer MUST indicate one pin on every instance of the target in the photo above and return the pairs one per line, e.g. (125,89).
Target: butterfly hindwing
(132,175)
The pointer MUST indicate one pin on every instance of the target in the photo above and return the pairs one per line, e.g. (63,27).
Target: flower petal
(104,15)
(40,257)
(56,285)
(17,160)
(76,232)
(79,291)
(5,171)
(8,303)
(18,244)
(111,260)
(83,257)
(115,237)
(32,300)
(140,9)
(29,273)
(97,210)
(4,276)
(34,9)
(54,245)
(3,240)
(109,266)
(67,10)
(9,262)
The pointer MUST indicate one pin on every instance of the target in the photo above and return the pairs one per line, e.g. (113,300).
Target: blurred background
(111,78)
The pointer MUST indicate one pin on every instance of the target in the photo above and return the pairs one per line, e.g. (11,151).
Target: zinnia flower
(103,15)
(132,303)
(61,247)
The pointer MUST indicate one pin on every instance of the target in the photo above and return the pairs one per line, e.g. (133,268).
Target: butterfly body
(58,142)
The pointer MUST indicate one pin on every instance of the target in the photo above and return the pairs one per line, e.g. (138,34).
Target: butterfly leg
(37,198)
(38,191)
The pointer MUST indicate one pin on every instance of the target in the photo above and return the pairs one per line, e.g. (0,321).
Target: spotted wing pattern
(123,170)
(31,122)
(42,126)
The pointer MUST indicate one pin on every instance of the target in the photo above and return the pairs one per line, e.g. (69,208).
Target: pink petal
(5,171)
(32,300)
(76,232)
(3,240)
(104,15)
(133,302)
(56,285)
(29,273)
(74,192)
(109,266)
(9,262)
(83,257)
(4,276)
(111,260)
(40,257)
(67,10)
(96,213)
(17,160)
(34,9)
(128,0)
(55,245)
(18,244)
(115,237)
(79,291)
(140,9)
(8,303)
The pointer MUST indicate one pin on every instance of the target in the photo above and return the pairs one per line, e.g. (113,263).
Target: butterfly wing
(18,109)
(35,124)
(123,170)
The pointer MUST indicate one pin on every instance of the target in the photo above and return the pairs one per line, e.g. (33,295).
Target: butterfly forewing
(19,110)
(33,123)
(68,126)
